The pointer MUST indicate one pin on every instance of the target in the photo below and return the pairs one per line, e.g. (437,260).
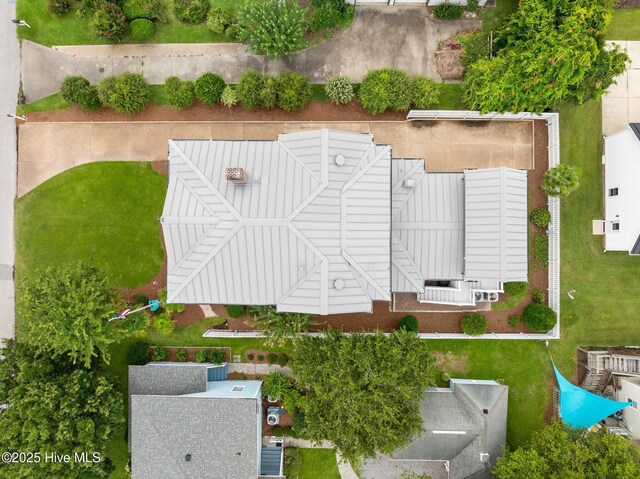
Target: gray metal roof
(300,223)
(635,128)
(495,235)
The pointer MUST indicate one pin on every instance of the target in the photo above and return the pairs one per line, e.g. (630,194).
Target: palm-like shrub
(339,89)
(474,324)
(229,96)
(560,180)
(294,91)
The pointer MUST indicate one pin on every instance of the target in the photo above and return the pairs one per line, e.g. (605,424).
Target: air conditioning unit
(273,416)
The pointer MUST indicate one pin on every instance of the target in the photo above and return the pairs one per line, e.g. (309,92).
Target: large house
(327,222)
(464,433)
(621,159)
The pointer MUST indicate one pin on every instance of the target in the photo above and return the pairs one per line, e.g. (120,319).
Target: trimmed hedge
(540,217)
(138,354)
(539,317)
(409,323)
(540,251)
(235,310)
(142,29)
(178,93)
(474,324)
(209,88)
(72,88)
(89,99)
(385,89)
(515,288)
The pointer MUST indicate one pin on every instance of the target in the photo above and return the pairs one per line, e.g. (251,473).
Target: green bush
(72,88)
(191,11)
(515,288)
(142,29)
(325,16)
(133,9)
(178,93)
(216,356)
(540,250)
(339,90)
(138,354)
(235,310)
(130,93)
(384,89)
(425,93)
(283,359)
(109,22)
(540,217)
(260,357)
(181,355)
(298,424)
(447,11)
(269,93)
(409,323)
(537,296)
(229,96)
(158,10)
(445,377)
(164,323)
(89,99)
(105,90)
(276,385)
(250,356)
(249,89)
(539,317)
(514,320)
(202,356)
(209,88)
(218,19)
(272,358)
(159,353)
(172,307)
(560,180)
(473,5)
(59,7)
(474,324)
(142,299)
(294,91)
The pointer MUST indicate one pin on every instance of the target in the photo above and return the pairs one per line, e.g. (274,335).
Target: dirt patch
(450,362)
(448,54)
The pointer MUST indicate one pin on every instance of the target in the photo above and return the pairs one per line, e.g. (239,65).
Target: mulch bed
(191,353)
(259,352)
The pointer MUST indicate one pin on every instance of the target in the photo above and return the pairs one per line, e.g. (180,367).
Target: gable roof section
(300,223)
(495,236)
(635,128)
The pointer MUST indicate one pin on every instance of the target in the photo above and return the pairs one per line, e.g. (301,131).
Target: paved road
(405,38)
(621,104)
(10,61)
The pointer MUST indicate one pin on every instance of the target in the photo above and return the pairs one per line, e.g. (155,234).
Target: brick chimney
(237,176)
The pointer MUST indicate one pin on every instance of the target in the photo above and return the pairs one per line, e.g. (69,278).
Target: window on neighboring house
(613,191)
(634,404)
(615,226)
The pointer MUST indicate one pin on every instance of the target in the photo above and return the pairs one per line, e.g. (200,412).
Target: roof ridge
(380,155)
(363,273)
(298,160)
(411,261)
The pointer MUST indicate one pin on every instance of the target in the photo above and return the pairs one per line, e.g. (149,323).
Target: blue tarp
(580,408)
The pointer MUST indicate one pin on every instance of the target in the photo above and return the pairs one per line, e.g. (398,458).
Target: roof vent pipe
(339,160)
(338,284)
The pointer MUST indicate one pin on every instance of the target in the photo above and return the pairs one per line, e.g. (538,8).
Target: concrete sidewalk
(404,38)
(46,149)
(621,103)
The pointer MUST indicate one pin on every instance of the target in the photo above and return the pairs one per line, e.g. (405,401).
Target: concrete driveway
(404,38)
(621,104)
(46,149)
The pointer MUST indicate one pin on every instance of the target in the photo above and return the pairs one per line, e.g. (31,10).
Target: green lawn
(492,17)
(311,464)
(51,102)
(450,97)
(106,212)
(625,25)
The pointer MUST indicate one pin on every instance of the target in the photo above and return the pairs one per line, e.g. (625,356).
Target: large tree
(65,311)
(55,407)
(558,452)
(364,391)
(547,52)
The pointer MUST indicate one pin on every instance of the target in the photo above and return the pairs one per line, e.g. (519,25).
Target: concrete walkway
(405,38)
(621,104)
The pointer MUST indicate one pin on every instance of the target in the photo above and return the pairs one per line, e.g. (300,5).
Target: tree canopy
(559,452)
(547,52)
(364,391)
(280,328)
(54,407)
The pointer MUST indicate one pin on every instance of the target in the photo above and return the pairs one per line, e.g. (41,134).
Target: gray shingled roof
(303,223)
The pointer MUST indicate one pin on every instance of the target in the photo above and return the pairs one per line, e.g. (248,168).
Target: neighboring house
(465,430)
(187,421)
(326,222)
(629,391)
(621,195)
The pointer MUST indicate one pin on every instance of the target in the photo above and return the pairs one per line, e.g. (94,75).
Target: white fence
(429,3)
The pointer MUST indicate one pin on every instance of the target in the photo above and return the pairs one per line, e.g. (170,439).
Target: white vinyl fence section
(429,3)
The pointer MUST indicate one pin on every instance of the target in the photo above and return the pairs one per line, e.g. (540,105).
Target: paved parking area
(621,104)
(46,149)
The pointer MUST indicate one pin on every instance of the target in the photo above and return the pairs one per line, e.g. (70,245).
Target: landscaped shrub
(202,356)
(539,317)
(540,250)
(216,356)
(229,96)
(170,308)
(164,323)
(326,15)
(72,87)
(59,7)
(142,29)
(560,180)
(138,354)
(537,296)
(294,91)
(249,89)
(89,99)
(142,299)
(425,93)
(540,217)
(105,90)
(128,93)
(276,385)
(235,310)
(158,10)
(339,89)
(260,357)
(447,11)
(473,5)
(445,377)
(181,355)
(474,324)
(514,320)
(209,88)
(298,424)
(272,358)
(269,93)
(159,354)
(250,356)
(178,93)
(283,359)
(109,22)
(133,9)
(218,19)
(409,323)
(515,288)
(384,89)
(272,27)
(191,11)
